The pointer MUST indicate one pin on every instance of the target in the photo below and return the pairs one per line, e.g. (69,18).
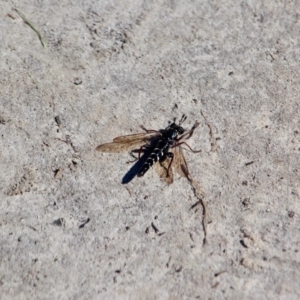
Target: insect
(162,148)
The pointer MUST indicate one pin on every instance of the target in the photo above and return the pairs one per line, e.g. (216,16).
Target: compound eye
(181,130)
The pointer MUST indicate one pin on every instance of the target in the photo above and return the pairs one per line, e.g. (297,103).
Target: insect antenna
(183,118)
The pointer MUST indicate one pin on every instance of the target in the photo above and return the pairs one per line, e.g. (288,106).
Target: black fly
(163,146)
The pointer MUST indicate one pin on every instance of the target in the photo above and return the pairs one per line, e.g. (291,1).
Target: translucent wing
(119,147)
(128,142)
(161,169)
(145,136)
(180,164)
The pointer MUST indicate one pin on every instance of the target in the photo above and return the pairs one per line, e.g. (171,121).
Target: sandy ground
(70,229)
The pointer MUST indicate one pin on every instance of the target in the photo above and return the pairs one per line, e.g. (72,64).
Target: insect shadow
(133,171)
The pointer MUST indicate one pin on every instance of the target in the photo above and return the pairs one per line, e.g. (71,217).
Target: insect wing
(127,142)
(143,137)
(119,147)
(161,169)
(180,164)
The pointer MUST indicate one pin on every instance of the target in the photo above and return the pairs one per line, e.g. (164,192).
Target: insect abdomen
(155,155)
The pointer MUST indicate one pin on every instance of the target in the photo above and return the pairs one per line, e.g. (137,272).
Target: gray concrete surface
(110,66)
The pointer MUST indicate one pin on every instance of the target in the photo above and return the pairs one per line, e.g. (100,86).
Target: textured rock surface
(70,229)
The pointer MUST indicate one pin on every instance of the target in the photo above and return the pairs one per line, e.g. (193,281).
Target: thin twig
(198,195)
(211,134)
(42,39)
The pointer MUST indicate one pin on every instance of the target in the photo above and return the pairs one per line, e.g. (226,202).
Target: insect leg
(170,155)
(188,134)
(194,151)
(193,129)
(132,155)
(142,149)
(148,130)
